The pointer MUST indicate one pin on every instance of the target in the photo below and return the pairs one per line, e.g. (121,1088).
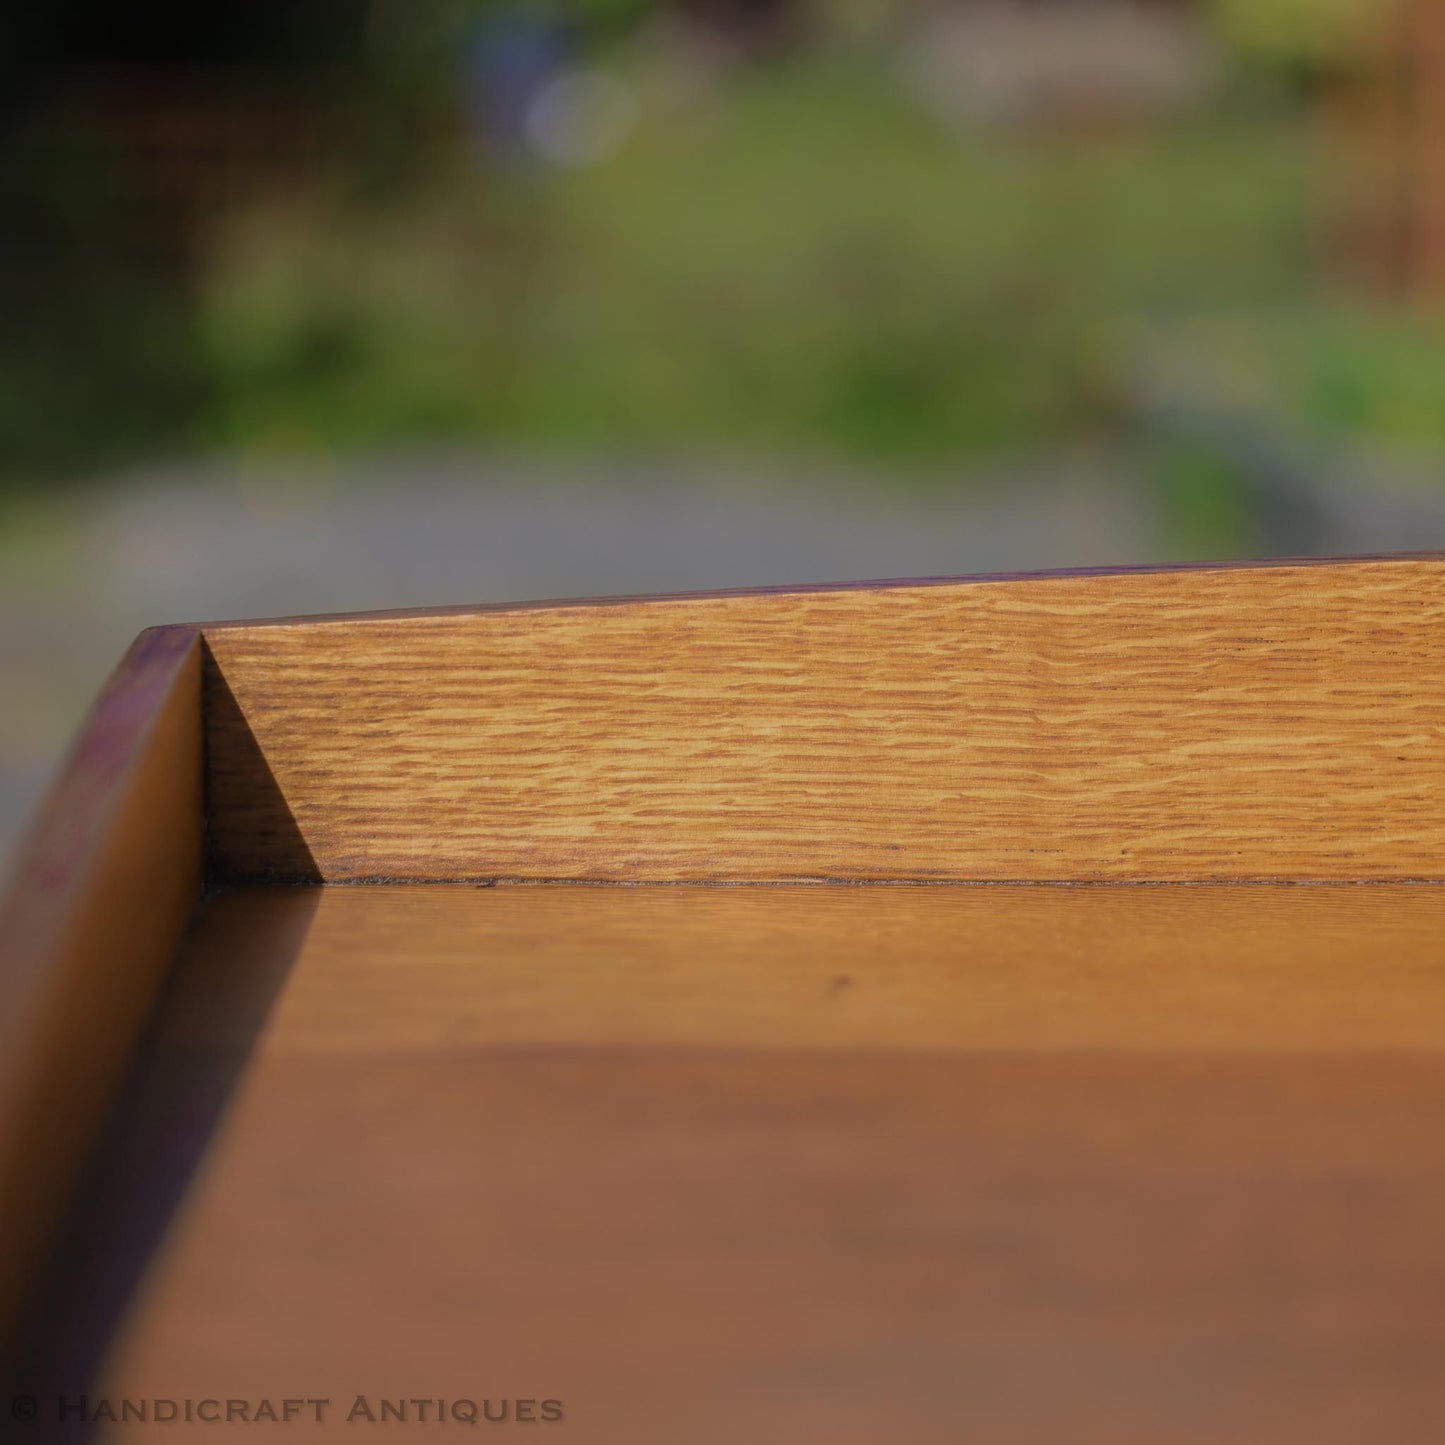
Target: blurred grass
(802,261)
(1364,374)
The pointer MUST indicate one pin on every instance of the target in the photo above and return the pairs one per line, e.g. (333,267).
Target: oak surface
(1278,721)
(100,893)
(700,1195)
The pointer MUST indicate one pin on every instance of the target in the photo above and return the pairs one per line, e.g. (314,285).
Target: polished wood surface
(1217,723)
(102,889)
(1034,969)
(823,1163)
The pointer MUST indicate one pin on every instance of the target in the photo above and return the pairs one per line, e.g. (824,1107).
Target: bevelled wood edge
(97,900)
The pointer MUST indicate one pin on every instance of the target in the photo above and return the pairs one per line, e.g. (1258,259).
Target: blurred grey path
(82,573)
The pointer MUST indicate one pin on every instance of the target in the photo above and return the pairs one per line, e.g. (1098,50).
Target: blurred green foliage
(789,254)
(802,261)
(1209,506)
(99,355)
(1361,373)
(1319,32)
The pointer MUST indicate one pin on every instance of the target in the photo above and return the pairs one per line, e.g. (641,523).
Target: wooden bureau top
(1001,1008)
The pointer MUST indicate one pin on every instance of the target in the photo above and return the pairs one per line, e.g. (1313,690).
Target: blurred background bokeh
(331,304)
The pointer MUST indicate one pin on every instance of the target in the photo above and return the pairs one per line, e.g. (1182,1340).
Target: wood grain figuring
(1237,723)
(101,892)
(694,1214)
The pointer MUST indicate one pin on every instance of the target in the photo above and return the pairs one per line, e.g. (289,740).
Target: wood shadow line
(212,1011)
(251,832)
